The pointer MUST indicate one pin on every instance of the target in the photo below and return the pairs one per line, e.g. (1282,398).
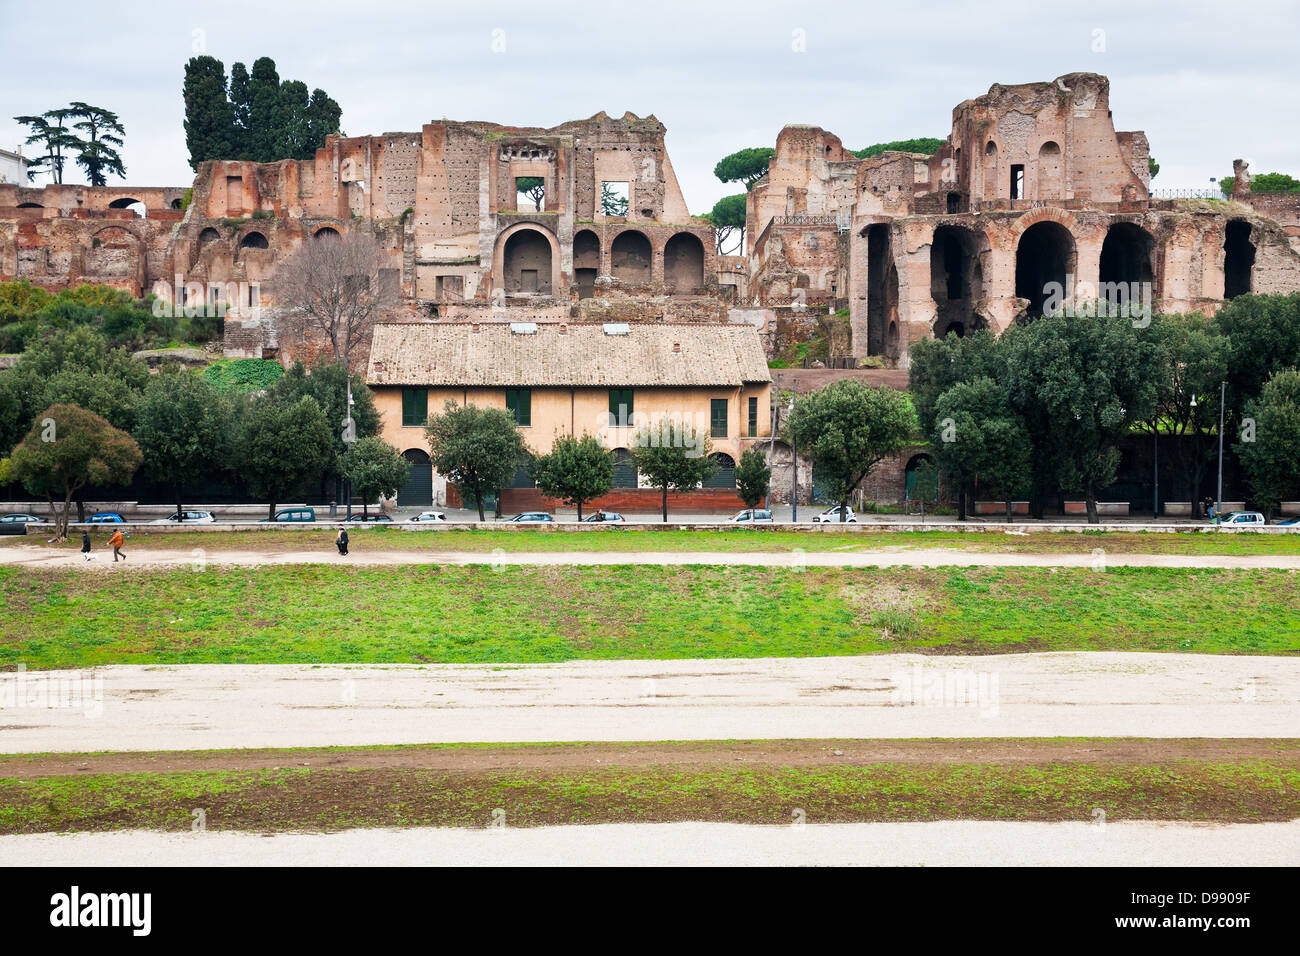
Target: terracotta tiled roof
(504,354)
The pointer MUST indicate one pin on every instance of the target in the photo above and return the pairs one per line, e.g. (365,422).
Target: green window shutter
(519,402)
(718,418)
(753,417)
(620,407)
(415,406)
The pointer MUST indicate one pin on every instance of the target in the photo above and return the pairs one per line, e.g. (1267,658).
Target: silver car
(753,516)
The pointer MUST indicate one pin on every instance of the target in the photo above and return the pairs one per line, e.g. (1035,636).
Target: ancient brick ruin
(1033,186)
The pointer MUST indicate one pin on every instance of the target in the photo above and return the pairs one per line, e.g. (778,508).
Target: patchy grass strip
(328,799)
(432,614)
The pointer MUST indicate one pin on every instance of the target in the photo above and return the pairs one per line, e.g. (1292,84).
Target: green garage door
(418,490)
(725,476)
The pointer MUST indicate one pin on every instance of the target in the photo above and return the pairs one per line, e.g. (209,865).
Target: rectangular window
(753,418)
(519,403)
(718,418)
(415,407)
(620,407)
(1018,181)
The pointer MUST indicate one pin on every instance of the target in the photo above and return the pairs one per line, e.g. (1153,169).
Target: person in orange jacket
(117,541)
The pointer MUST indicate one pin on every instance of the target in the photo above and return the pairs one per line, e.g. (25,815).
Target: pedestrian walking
(85,544)
(342,541)
(117,541)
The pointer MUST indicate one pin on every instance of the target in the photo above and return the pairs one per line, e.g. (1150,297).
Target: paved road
(948,843)
(140,556)
(198,706)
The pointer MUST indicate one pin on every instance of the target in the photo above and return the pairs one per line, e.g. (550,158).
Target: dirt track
(139,556)
(1113,694)
(945,843)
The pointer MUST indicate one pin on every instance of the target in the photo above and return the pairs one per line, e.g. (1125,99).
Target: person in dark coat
(342,541)
(85,544)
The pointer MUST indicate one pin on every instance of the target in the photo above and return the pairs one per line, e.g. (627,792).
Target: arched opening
(586,262)
(882,288)
(254,240)
(417,491)
(527,261)
(725,476)
(684,264)
(630,257)
(327,232)
(1126,274)
(30,205)
(991,170)
(1044,257)
(177,204)
(1051,178)
(891,340)
(625,475)
(920,482)
(207,237)
(955,279)
(1238,259)
(126,202)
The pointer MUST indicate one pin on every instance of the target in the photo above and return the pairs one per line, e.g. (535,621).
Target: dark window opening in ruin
(882,289)
(630,257)
(530,193)
(30,205)
(528,263)
(955,279)
(1126,275)
(1238,259)
(684,264)
(177,204)
(954,202)
(586,262)
(328,232)
(450,288)
(254,240)
(614,199)
(1017,181)
(1044,257)
(207,236)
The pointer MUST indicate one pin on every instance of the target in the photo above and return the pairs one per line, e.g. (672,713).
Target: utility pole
(1218,508)
(794,459)
(349,437)
(1155,470)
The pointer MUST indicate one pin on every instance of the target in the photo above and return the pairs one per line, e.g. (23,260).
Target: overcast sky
(1207,81)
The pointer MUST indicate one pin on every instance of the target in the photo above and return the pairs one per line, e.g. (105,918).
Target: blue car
(1290,521)
(106,517)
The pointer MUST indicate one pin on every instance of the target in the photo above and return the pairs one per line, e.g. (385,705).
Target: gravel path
(138,556)
(949,843)
(1106,694)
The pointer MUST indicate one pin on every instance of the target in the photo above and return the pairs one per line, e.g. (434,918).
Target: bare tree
(337,286)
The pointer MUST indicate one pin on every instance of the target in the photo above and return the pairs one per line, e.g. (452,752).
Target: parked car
(430,516)
(1238,518)
(106,517)
(1290,521)
(832,516)
(21,517)
(292,515)
(752,515)
(190,517)
(604,517)
(371,518)
(531,517)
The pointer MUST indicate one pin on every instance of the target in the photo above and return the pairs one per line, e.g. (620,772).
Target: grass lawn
(322,798)
(1025,540)
(428,613)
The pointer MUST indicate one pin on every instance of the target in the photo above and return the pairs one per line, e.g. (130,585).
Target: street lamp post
(349,437)
(794,461)
(1218,508)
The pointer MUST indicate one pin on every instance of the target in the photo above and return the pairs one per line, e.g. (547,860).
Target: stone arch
(1238,258)
(30,205)
(527,261)
(1051,171)
(586,262)
(684,264)
(327,232)
(1127,262)
(725,476)
(1045,257)
(631,257)
(126,202)
(956,278)
(254,240)
(207,237)
(910,473)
